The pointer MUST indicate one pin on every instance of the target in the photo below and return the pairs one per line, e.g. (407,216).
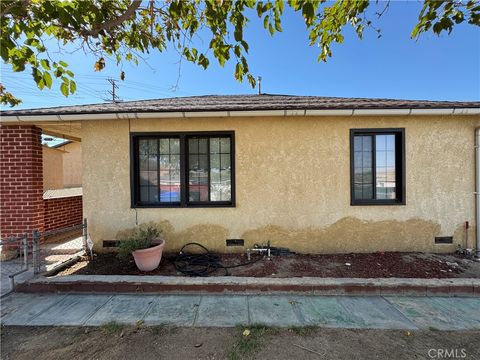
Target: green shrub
(141,238)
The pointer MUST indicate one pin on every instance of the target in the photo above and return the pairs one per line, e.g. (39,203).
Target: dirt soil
(365,265)
(162,342)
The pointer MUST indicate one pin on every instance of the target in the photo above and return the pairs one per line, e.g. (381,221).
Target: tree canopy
(123,30)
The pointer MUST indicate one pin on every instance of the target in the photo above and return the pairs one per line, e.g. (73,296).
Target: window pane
(202,146)
(225,161)
(153,194)
(381,142)
(153,146)
(159,170)
(225,185)
(390,158)
(214,145)
(362,162)
(198,169)
(143,147)
(390,142)
(170,177)
(225,145)
(193,146)
(148,166)
(175,146)
(203,163)
(385,167)
(164,146)
(220,170)
(357,143)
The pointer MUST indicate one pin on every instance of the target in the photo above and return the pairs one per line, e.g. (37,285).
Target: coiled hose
(202,264)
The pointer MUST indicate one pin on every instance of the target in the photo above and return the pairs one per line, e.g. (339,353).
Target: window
(183,169)
(377,166)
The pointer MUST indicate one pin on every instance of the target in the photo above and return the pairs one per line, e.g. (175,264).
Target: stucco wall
(52,168)
(72,165)
(293,185)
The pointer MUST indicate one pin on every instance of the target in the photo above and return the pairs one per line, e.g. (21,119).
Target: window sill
(378,203)
(179,206)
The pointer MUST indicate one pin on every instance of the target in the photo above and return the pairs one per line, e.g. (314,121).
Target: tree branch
(114,22)
(8,8)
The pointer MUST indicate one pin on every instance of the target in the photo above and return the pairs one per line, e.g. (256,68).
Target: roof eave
(242,113)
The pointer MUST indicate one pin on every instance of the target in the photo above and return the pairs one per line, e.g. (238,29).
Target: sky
(394,66)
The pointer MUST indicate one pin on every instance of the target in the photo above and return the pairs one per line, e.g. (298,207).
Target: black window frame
(184,173)
(400,166)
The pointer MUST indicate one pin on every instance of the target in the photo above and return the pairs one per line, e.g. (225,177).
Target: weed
(112,327)
(250,341)
(304,331)
(162,330)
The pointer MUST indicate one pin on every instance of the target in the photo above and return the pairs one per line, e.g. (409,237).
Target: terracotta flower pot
(149,259)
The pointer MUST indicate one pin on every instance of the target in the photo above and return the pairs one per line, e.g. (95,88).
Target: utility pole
(259,80)
(115,98)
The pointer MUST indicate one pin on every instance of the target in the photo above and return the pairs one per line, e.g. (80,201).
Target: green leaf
(63,63)
(64,89)
(45,64)
(47,79)
(73,86)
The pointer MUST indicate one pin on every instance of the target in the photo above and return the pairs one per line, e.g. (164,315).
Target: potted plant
(145,245)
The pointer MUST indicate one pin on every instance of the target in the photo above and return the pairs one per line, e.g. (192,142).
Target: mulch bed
(364,265)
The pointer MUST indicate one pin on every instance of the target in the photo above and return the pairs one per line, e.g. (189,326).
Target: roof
(62,193)
(59,145)
(242,103)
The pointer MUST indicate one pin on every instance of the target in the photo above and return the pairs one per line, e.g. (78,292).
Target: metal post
(85,235)
(36,251)
(25,251)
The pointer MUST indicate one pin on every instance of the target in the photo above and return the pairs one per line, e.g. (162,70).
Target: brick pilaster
(21,180)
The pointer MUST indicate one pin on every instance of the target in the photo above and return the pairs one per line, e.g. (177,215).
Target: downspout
(477,190)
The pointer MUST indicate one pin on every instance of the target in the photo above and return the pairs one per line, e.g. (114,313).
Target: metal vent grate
(110,243)
(443,239)
(235,242)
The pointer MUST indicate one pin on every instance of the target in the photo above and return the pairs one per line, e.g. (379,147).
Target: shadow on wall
(346,235)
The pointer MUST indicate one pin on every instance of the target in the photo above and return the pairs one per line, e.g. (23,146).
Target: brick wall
(62,212)
(21,180)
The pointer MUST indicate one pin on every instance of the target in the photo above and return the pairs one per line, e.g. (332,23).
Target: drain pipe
(477,190)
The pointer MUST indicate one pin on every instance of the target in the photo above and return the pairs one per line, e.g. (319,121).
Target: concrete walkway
(375,312)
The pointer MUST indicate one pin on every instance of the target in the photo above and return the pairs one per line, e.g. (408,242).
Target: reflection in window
(183,169)
(220,169)
(363,177)
(159,162)
(377,166)
(209,169)
(385,166)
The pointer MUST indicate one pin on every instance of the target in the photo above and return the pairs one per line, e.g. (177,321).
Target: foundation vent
(110,243)
(443,239)
(235,242)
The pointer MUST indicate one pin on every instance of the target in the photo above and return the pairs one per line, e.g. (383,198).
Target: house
(315,174)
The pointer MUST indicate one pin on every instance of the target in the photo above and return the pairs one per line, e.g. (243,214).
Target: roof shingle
(243,103)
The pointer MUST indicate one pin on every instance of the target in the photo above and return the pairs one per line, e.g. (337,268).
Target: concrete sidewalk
(374,312)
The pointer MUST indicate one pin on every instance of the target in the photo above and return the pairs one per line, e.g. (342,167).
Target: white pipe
(477,189)
(246,113)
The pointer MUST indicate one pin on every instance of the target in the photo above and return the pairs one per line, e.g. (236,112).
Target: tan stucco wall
(52,168)
(72,165)
(293,185)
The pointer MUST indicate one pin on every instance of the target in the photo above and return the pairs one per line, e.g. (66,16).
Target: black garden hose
(202,264)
